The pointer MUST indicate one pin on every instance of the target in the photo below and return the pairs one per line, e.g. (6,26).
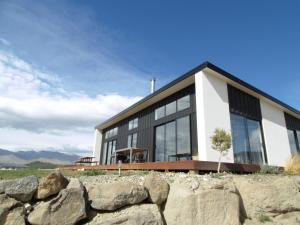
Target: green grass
(264,218)
(23,172)
(17,173)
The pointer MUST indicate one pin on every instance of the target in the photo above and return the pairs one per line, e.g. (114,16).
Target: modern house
(177,121)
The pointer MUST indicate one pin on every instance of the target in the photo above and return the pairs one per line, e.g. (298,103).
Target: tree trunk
(219,165)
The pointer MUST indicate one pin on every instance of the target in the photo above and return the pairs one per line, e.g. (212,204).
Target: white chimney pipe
(152,85)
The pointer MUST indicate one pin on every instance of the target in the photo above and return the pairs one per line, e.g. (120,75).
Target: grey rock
(4,184)
(51,185)
(209,204)
(273,195)
(158,189)
(111,196)
(6,204)
(14,217)
(22,189)
(146,214)
(68,207)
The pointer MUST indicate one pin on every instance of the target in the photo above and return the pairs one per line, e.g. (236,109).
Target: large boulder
(51,185)
(14,217)
(158,189)
(268,195)
(22,189)
(6,204)
(132,215)
(213,204)
(111,196)
(4,184)
(68,207)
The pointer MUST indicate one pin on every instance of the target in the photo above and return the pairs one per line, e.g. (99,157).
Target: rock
(271,195)
(22,189)
(208,205)
(51,185)
(68,207)
(291,218)
(112,196)
(7,203)
(132,215)
(4,184)
(158,189)
(28,208)
(14,217)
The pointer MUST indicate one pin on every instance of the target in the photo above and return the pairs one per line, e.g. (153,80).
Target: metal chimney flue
(152,81)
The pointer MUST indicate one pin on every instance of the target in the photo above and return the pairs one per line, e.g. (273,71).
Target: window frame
(245,120)
(134,123)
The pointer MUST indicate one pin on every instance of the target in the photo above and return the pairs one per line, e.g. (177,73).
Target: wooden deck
(185,165)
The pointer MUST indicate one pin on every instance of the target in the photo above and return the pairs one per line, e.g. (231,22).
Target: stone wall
(155,199)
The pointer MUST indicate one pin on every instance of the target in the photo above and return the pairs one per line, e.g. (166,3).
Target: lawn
(23,172)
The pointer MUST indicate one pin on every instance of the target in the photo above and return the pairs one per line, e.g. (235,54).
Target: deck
(185,165)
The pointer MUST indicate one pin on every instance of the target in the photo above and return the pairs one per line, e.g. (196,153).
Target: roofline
(193,72)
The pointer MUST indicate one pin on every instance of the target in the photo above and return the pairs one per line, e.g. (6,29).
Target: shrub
(266,169)
(221,142)
(93,172)
(293,165)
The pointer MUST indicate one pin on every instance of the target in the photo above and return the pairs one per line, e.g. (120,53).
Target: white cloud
(36,112)
(4,42)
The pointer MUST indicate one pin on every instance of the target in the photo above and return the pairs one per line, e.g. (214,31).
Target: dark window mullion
(297,141)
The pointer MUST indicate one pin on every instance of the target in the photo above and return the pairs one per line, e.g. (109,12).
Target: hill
(22,158)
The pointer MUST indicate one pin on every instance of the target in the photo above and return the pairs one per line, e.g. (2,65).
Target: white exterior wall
(97,145)
(212,112)
(275,134)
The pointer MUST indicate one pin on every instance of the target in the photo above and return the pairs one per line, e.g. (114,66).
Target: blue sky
(96,58)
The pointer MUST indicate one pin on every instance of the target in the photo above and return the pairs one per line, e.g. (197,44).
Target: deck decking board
(184,165)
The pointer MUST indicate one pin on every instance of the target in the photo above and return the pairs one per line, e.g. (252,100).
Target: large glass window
(111,133)
(172,140)
(247,140)
(171,108)
(109,149)
(132,140)
(183,135)
(160,143)
(133,124)
(294,141)
(160,112)
(104,153)
(183,103)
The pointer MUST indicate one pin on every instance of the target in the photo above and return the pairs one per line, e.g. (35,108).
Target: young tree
(221,142)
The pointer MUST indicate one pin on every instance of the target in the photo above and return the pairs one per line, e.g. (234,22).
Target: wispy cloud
(36,112)
(88,56)
(4,42)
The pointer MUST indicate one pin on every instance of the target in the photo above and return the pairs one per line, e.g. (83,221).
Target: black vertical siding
(292,122)
(147,123)
(244,104)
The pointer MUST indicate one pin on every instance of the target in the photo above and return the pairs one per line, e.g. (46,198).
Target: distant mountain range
(22,158)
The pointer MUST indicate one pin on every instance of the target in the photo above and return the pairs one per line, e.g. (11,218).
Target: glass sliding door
(239,139)
(293,142)
(247,140)
(109,148)
(170,147)
(183,135)
(255,141)
(172,140)
(160,143)
(104,153)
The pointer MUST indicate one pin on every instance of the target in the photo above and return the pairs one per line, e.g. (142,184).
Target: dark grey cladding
(147,123)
